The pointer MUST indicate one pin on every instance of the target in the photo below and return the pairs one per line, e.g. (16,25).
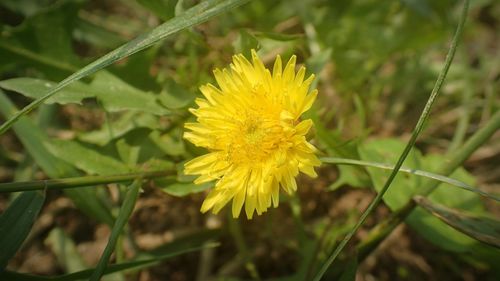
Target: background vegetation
(376,64)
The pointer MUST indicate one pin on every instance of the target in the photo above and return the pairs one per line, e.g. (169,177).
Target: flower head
(251,128)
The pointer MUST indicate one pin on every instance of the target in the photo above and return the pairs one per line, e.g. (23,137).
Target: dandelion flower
(252,129)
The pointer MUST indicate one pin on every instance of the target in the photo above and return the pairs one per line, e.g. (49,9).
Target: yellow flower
(251,128)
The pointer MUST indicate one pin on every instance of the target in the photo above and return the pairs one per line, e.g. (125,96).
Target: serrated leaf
(16,223)
(36,88)
(116,129)
(85,159)
(116,95)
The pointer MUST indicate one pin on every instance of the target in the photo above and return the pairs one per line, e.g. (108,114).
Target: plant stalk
(416,132)
(78,181)
(384,228)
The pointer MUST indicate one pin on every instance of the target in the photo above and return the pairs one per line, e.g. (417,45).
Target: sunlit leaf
(86,159)
(36,88)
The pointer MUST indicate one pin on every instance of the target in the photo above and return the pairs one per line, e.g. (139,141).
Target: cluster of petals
(250,124)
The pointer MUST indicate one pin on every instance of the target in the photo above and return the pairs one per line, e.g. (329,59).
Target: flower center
(255,139)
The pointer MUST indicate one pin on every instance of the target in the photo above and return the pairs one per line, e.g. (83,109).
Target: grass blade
(416,132)
(429,175)
(85,274)
(195,15)
(121,221)
(16,223)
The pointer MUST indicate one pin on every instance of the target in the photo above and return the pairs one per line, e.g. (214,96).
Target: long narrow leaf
(481,228)
(16,223)
(85,274)
(196,15)
(121,221)
(444,179)
(415,133)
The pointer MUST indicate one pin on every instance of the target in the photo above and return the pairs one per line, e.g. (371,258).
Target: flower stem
(416,132)
(239,239)
(78,181)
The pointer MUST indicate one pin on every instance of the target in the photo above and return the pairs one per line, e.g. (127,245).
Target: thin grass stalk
(239,239)
(421,173)
(79,181)
(416,132)
(384,228)
(120,223)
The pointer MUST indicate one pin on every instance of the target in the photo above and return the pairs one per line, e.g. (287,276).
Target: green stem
(416,132)
(78,181)
(463,121)
(239,239)
(384,228)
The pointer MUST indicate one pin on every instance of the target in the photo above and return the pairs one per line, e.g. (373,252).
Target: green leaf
(349,176)
(117,95)
(195,15)
(350,269)
(33,138)
(36,88)
(116,129)
(16,223)
(121,221)
(136,70)
(171,143)
(175,96)
(164,9)
(65,250)
(481,228)
(245,43)
(386,151)
(406,186)
(86,159)
(96,35)
(85,274)
(443,179)
(44,40)
(182,189)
